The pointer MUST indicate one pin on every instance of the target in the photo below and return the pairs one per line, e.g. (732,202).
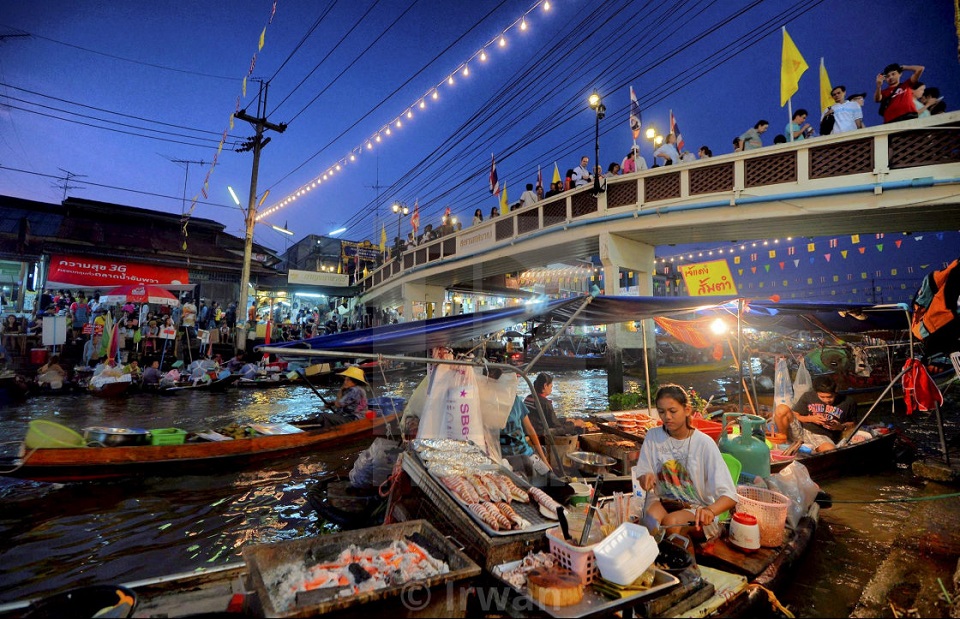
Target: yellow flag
(556,173)
(243,88)
(504,202)
(792,67)
(383,238)
(231,121)
(262,36)
(826,99)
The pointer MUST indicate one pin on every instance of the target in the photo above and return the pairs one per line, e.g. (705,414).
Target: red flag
(415,218)
(494,181)
(675,130)
(446,213)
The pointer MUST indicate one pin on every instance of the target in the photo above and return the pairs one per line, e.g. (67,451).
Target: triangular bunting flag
(782,264)
(898,243)
(862,249)
(827,256)
(879,246)
(796,263)
(843,253)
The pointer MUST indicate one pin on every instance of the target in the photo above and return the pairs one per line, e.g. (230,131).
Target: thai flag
(494,181)
(539,178)
(415,218)
(675,130)
(635,116)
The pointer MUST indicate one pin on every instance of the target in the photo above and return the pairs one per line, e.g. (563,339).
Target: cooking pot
(116,437)
(674,558)
(591,463)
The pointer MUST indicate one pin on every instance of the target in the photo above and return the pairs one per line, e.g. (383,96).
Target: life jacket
(920,392)
(935,304)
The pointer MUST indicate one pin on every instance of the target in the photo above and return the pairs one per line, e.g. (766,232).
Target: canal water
(56,536)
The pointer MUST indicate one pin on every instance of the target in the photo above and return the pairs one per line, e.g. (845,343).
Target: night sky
(113,92)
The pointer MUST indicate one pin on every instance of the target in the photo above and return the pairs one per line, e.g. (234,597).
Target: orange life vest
(936,302)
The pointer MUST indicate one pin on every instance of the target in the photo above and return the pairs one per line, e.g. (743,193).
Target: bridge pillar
(422,293)
(616,253)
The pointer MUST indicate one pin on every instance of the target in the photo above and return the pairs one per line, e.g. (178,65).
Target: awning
(71,272)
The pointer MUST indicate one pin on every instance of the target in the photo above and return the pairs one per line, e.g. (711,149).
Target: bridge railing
(856,157)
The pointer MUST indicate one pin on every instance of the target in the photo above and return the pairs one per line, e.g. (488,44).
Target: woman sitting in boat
(51,373)
(352,399)
(543,385)
(818,417)
(682,470)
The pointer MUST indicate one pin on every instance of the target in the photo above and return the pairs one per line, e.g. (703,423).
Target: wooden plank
(723,555)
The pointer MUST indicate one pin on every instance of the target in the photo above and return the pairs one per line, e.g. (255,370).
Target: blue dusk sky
(119,94)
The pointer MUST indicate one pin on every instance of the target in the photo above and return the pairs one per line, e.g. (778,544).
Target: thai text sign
(708,279)
(318,278)
(475,240)
(88,272)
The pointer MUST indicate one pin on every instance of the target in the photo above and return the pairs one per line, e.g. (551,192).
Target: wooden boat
(220,384)
(866,456)
(693,368)
(336,501)
(110,390)
(196,458)
(266,382)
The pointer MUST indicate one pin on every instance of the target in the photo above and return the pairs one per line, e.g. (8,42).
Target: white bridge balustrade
(891,178)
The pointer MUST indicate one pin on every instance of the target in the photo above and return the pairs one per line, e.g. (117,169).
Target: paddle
(303,375)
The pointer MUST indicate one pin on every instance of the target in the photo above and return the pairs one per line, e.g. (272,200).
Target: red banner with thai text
(84,272)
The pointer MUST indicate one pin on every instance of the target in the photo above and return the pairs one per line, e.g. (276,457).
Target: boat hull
(91,463)
(869,455)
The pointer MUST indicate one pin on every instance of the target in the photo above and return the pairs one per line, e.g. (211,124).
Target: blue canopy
(762,314)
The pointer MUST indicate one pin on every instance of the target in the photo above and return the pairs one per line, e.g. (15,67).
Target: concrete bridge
(892,178)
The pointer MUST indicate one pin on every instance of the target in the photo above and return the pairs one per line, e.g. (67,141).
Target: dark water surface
(54,536)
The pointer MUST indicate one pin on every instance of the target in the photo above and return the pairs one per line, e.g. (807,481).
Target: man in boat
(543,385)
(819,417)
(152,374)
(352,399)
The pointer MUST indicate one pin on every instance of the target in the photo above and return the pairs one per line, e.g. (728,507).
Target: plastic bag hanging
(782,387)
(803,381)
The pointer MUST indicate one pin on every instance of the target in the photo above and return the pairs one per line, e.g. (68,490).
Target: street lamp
(596,103)
(402,211)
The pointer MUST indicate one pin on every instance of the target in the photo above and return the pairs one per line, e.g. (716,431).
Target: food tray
(528,511)
(261,559)
(593,603)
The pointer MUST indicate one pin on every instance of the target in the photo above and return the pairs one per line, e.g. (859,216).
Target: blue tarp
(763,314)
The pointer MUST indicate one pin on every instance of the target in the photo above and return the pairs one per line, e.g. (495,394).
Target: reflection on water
(57,536)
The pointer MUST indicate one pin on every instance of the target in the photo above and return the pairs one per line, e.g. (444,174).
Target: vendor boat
(193,457)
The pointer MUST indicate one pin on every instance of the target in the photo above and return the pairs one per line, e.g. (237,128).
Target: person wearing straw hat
(352,400)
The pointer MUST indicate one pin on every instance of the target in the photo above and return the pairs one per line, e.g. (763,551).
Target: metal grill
(408,260)
(528,221)
(554,213)
(711,179)
(583,203)
(770,170)
(622,194)
(377,277)
(504,229)
(854,157)
(661,187)
(421,256)
(924,147)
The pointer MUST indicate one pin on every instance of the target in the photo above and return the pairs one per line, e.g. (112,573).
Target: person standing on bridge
(581,173)
(897,100)
(668,151)
(847,115)
(751,139)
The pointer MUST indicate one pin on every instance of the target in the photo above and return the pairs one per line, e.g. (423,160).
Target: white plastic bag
(803,382)
(497,397)
(794,482)
(452,407)
(782,387)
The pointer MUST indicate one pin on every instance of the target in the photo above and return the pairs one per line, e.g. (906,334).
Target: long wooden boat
(266,383)
(195,458)
(110,390)
(869,455)
(219,384)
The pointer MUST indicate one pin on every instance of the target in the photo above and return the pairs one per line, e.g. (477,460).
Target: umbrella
(140,293)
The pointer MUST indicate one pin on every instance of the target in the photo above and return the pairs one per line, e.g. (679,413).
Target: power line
(121,58)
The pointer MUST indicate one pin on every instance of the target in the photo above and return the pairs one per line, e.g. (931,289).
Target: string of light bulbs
(720,251)
(420,103)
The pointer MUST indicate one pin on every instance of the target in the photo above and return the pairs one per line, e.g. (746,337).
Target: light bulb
(409,113)
(466,70)
(503,41)
(450,80)
(483,56)
(387,131)
(369,145)
(546,5)
(353,157)
(436,95)
(378,137)
(523,24)
(423,104)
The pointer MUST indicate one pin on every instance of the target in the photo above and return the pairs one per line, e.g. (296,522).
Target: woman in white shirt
(682,470)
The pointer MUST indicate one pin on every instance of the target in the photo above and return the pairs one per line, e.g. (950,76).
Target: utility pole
(65,182)
(377,186)
(186,175)
(256,144)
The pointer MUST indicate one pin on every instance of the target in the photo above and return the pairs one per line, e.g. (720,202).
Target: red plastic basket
(578,559)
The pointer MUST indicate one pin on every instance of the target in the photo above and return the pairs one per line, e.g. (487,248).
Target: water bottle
(805,449)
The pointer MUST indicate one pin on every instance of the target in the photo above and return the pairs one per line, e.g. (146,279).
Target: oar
(303,375)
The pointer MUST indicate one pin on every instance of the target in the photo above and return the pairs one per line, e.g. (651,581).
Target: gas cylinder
(752,452)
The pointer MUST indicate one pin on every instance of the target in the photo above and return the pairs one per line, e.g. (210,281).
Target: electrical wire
(303,39)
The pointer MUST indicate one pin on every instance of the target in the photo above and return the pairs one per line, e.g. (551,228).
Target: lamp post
(656,140)
(596,103)
(402,211)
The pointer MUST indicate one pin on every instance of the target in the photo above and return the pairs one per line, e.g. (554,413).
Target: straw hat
(354,373)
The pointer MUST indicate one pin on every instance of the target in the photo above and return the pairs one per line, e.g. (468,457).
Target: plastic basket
(626,554)
(43,434)
(770,510)
(167,436)
(578,559)
(713,429)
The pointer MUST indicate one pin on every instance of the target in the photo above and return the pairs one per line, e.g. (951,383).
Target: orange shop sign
(706,279)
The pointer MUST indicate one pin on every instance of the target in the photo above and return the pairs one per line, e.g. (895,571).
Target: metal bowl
(116,437)
(591,463)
